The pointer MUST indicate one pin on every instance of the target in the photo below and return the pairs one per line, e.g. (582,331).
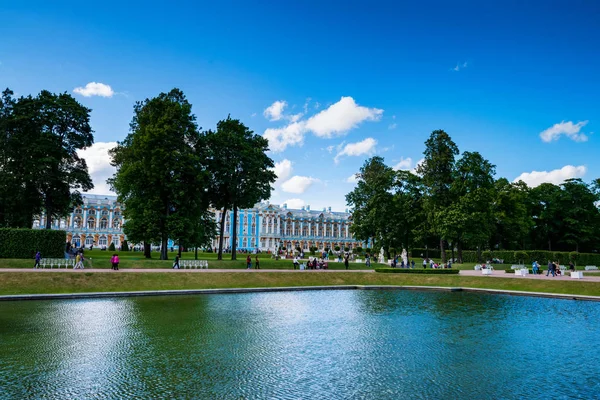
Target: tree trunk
(442,250)
(459,248)
(452,252)
(478,254)
(49,218)
(222,231)
(234,234)
(163,247)
(147,250)
(549,245)
(180,248)
(196,253)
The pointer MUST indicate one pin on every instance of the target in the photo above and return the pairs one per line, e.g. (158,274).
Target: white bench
(577,274)
(522,272)
(513,267)
(486,271)
(591,268)
(478,267)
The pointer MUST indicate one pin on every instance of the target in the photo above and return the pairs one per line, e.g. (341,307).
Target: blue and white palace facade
(99,222)
(268,227)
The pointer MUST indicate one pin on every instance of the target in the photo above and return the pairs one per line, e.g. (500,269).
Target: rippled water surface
(301,345)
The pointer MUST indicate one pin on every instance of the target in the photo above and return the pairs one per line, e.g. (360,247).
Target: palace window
(89,241)
(78,211)
(117,224)
(102,241)
(116,240)
(77,222)
(103,223)
(104,212)
(116,213)
(91,211)
(91,223)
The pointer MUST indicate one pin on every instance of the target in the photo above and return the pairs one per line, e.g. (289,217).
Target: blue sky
(331,83)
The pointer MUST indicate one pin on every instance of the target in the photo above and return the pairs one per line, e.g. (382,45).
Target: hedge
(417,271)
(516,256)
(23,243)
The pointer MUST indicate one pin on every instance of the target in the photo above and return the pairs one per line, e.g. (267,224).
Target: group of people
(553,268)
(249,263)
(434,265)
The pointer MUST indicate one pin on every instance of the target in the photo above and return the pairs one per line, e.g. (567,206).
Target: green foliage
(418,271)
(40,168)
(23,243)
(574,257)
(346,249)
(337,248)
(124,246)
(111,247)
(521,255)
(422,253)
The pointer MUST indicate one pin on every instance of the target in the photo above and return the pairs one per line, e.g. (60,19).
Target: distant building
(99,222)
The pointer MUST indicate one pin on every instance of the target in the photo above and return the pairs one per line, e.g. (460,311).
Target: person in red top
(115,262)
(248,262)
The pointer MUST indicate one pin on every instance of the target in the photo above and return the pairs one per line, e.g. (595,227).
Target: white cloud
(460,66)
(404,164)
(98,162)
(281,138)
(392,126)
(363,147)
(298,184)
(294,204)
(336,120)
(283,170)
(352,179)
(95,89)
(275,111)
(569,129)
(330,149)
(253,115)
(340,117)
(556,176)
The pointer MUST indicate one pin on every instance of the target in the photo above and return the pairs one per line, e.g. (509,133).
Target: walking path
(502,274)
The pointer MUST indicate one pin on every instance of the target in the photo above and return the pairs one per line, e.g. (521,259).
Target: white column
(110,218)
(84,225)
(339,230)
(347,230)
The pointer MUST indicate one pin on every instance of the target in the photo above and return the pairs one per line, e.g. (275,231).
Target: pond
(301,345)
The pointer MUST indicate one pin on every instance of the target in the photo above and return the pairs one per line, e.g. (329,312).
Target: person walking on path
(38,258)
(368,261)
(257,265)
(346,261)
(78,261)
(248,262)
(571,266)
(550,269)
(295,262)
(176,262)
(535,268)
(115,262)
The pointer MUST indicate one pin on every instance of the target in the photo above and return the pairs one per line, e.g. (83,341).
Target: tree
(546,214)
(512,220)
(242,172)
(580,214)
(40,168)
(436,172)
(161,177)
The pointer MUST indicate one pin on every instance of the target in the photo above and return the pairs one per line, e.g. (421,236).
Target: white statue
(381,256)
(405,257)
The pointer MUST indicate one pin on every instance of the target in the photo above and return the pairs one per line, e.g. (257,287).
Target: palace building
(99,222)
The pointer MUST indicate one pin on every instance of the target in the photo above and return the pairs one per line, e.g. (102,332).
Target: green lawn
(81,281)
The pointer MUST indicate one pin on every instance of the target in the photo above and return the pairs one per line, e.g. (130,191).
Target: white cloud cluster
(296,184)
(556,176)
(275,111)
(569,129)
(352,179)
(336,120)
(363,147)
(406,164)
(95,89)
(98,162)
(295,204)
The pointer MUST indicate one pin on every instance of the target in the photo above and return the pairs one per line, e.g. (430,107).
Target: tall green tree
(40,164)
(436,172)
(241,172)
(161,177)
(512,221)
(580,214)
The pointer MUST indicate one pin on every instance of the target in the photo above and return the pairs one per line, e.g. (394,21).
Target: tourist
(571,266)
(176,262)
(535,268)
(295,262)
(424,263)
(248,262)
(257,265)
(115,262)
(38,258)
(450,264)
(78,261)
(346,261)
(368,261)
(412,264)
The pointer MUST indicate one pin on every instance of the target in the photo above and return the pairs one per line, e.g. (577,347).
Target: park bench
(193,264)
(591,268)
(56,262)
(577,274)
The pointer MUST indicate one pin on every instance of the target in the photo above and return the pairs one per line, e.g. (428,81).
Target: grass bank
(82,282)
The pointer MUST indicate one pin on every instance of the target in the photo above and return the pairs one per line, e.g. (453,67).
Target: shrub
(298,249)
(574,257)
(417,271)
(487,255)
(346,249)
(124,246)
(337,248)
(521,256)
(422,253)
(358,250)
(111,247)
(22,243)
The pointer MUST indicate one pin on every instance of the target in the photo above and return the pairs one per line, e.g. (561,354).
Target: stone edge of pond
(96,295)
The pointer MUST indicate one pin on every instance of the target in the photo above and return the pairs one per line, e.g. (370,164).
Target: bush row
(417,271)
(515,257)
(23,243)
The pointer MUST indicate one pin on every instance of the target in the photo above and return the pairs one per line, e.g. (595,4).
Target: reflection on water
(300,345)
